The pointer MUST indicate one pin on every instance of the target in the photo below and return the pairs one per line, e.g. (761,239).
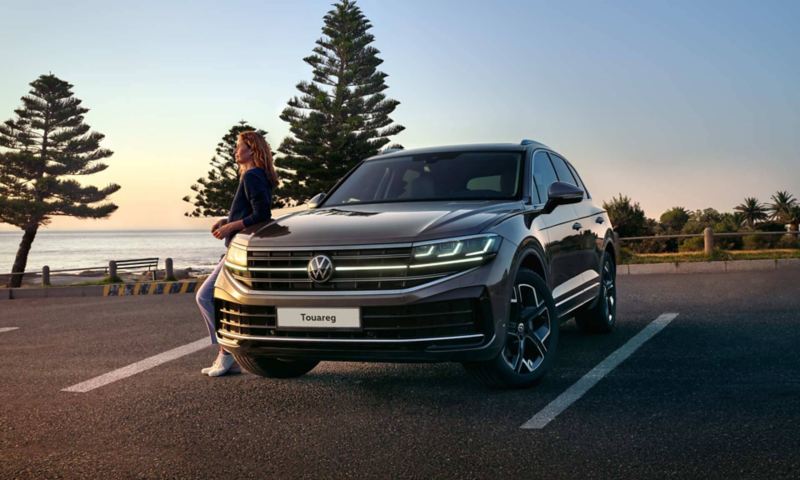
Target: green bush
(694,244)
(625,254)
(789,241)
(649,246)
(719,254)
(759,242)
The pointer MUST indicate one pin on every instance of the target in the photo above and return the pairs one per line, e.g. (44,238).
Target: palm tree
(752,211)
(794,219)
(780,209)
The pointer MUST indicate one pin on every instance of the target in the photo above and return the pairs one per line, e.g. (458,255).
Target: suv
(473,254)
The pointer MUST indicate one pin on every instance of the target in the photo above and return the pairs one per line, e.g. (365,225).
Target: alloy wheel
(529,329)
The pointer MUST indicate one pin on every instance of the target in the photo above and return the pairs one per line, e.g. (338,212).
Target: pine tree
(46,142)
(342,115)
(214,194)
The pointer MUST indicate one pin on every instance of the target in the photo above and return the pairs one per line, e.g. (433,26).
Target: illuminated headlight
(464,252)
(236,258)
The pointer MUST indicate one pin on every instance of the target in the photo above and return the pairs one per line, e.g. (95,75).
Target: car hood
(378,223)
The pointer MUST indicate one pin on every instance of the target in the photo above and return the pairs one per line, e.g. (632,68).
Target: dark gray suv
(471,254)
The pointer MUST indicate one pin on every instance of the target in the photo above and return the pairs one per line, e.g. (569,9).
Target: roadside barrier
(151,288)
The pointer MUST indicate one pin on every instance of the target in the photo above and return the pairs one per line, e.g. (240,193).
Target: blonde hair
(262,154)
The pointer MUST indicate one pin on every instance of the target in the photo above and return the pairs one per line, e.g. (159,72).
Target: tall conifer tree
(40,150)
(342,115)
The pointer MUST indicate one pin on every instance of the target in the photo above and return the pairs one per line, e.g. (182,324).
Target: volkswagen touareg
(471,254)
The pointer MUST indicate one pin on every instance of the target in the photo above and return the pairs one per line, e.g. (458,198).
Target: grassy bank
(634,258)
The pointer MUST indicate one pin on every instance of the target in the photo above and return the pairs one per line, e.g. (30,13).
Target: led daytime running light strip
(263,269)
(454,252)
(381,267)
(447,262)
(489,242)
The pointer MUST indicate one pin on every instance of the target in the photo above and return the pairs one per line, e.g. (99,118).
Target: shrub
(789,241)
(758,242)
(694,244)
(628,217)
(625,254)
(719,254)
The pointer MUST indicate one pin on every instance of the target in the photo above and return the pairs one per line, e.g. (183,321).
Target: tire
(601,316)
(275,367)
(537,334)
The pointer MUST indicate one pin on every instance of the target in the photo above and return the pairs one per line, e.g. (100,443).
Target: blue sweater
(251,204)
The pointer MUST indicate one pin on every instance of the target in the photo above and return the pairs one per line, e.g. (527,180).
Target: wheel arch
(531,256)
(612,246)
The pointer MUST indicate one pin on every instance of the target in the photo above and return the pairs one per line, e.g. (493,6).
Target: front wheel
(531,337)
(275,367)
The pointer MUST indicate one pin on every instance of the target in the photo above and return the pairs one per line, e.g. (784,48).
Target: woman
(251,205)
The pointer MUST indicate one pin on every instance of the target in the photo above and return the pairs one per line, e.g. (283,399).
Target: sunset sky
(672,103)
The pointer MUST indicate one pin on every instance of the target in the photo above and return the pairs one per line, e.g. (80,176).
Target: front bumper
(456,318)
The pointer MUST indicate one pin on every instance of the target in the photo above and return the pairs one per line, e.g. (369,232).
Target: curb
(723,266)
(113,290)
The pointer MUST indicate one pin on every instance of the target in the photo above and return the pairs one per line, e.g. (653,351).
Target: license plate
(290,317)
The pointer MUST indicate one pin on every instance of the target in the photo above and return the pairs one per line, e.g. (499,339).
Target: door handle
(576,226)
(599,220)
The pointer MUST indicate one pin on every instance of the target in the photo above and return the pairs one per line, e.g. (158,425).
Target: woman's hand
(227,229)
(219,223)
(222,231)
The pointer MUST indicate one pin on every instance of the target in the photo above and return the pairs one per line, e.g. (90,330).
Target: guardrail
(708,236)
(110,269)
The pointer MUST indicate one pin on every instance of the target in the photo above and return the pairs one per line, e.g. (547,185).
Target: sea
(197,249)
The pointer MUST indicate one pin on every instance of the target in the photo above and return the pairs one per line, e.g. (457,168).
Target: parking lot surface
(715,393)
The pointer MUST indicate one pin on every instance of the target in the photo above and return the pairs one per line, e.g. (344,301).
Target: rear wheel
(531,337)
(275,367)
(602,315)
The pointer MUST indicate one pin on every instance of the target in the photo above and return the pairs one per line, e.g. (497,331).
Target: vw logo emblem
(320,268)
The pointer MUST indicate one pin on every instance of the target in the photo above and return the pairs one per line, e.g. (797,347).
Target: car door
(563,244)
(597,219)
(587,227)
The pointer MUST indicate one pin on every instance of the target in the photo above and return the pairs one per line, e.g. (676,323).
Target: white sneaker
(214,365)
(224,364)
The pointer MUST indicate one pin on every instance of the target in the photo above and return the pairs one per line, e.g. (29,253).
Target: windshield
(439,176)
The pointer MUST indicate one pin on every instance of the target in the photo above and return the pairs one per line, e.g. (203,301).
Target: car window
(485,183)
(578,178)
(564,175)
(481,175)
(543,175)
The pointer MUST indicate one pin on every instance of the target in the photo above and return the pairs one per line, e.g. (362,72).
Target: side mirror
(316,200)
(561,193)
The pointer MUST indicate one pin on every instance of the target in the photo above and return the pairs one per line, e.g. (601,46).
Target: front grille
(291,274)
(402,322)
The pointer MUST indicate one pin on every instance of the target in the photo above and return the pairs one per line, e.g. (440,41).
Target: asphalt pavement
(714,394)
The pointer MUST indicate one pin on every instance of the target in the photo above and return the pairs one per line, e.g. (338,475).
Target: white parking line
(138,367)
(8,329)
(579,388)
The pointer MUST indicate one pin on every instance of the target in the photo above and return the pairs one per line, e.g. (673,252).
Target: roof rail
(389,150)
(526,141)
